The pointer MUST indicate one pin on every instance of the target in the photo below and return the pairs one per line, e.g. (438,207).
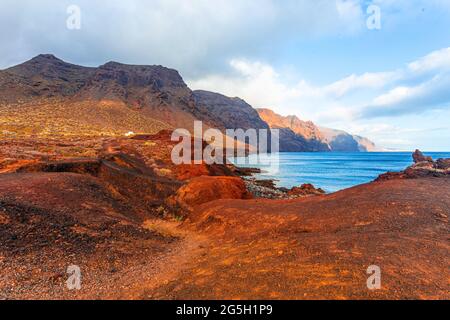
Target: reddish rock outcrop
(423,167)
(188,171)
(305,190)
(419,157)
(443,164)
(205,189)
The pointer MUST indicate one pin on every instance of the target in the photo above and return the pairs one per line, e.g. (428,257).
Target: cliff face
(295,135)
(342,141)
(306,129)
(365,145)
(293,142)
(298,136)
(154,91)
(226,113)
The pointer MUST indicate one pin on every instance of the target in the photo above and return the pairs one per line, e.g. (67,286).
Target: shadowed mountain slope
(226,113)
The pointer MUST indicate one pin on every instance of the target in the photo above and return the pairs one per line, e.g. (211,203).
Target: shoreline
(334,171)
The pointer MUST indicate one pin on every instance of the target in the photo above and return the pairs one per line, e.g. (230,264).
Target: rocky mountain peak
(46,57)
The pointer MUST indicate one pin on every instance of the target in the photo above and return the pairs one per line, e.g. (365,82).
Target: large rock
(305,190)
(419,157)
(205,189)
(423,167)
(443,164)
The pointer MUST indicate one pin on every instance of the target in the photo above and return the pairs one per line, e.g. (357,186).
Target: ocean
(332,171)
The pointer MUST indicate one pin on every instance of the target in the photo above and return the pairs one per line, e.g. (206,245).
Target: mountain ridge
(98,99)
(317,138)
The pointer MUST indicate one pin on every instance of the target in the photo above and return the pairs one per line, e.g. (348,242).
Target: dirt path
(320,248)
(167,267)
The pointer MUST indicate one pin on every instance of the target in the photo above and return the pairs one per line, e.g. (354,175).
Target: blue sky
(315,59)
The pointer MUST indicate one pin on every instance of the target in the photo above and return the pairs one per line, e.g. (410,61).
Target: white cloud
(364,81)
(432,72)
(436,61)
(383,93)
(194,36)
(262,86)
(429,95)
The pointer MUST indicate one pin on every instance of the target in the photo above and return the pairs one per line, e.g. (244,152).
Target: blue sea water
(333,171)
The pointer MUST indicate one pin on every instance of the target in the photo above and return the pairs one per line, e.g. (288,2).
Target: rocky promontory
(423,167)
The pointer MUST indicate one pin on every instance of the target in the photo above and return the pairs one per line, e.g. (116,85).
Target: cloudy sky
(317,59)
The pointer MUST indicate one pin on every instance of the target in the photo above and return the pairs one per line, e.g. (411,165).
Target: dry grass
(55,118)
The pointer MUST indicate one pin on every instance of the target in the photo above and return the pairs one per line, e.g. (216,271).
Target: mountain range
(47,96)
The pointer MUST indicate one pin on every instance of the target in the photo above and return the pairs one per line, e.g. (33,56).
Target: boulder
(419,157)
(205,189)
(391,176)
(443,164)
(305,190)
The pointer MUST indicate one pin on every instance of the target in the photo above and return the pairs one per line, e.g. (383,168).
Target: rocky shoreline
(422,167)
(266,189)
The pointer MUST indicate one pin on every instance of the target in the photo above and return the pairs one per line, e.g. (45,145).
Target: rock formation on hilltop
(155,91)
(43,76)
(58,98)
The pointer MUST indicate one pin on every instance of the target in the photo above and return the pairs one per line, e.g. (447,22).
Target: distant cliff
(342,141)
(297,135)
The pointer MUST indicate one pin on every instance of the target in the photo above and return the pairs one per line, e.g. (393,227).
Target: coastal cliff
(297,135)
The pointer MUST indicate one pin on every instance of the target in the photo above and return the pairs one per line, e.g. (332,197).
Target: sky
(380,68)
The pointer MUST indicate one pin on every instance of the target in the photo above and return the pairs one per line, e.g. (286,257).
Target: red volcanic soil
(138,231)
(49,221)
(321,247)
(206,189)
